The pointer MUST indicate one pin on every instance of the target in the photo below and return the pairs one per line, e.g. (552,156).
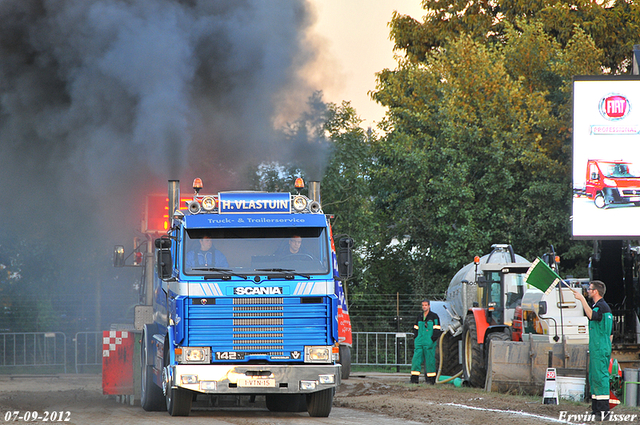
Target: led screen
(606,157)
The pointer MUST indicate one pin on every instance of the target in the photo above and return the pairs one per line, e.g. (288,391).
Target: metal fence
(33,350)
(381,349)
(88,351)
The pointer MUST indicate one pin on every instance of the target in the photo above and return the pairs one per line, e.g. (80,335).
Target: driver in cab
(206,255)
(293,249)
(295,242)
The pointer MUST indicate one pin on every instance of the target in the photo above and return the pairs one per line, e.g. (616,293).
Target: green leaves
(478,144)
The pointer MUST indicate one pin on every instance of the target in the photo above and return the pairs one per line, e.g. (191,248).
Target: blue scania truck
(246,300)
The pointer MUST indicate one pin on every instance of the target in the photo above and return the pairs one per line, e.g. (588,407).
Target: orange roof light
(197,185)
(557,259)
(299,183)
(476,260)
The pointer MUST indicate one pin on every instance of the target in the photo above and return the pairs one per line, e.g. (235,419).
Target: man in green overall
(600,331)
(426,332)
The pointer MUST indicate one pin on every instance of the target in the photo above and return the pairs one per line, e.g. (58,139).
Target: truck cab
(612,182)
(246,301)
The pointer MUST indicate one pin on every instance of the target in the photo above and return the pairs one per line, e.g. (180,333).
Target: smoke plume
(102,101)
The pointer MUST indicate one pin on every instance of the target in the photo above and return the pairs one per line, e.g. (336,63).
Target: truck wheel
(345,361)
(473,365)
(178,400)
(151,398)
(599,201)
(286,402)
(319,403)
(450,359)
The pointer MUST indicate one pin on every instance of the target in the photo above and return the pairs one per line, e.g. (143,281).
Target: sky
(358,46)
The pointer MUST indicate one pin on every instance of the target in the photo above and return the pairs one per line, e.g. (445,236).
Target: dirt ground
(386,395)
(394,396)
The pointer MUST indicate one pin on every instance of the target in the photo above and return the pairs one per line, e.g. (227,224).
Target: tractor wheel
(473,363)
(450,359)
(495,336)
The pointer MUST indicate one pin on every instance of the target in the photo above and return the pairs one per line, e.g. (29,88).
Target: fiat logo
(614,107)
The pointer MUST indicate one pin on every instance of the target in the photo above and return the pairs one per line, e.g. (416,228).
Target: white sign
(606,157)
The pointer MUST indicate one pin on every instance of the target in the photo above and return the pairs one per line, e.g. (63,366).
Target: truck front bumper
(253,379)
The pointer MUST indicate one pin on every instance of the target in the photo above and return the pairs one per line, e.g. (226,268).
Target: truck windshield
(612,170)
(249,251)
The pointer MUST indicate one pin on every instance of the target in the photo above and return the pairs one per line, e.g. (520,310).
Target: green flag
(542,277)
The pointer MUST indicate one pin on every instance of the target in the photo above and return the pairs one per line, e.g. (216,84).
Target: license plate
(634,199)
(256,382)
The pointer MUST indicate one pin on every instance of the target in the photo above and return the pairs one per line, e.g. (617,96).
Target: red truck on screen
(612,182)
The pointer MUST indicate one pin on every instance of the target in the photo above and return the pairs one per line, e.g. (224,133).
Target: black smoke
(103,101)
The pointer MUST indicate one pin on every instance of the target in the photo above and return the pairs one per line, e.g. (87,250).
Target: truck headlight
(317,354)
(299,203)
(194,355)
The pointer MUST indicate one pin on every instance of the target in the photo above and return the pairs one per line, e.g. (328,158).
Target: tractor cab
(501,288)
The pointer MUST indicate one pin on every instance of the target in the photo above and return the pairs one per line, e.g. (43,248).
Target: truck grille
(258,326)
(258,301)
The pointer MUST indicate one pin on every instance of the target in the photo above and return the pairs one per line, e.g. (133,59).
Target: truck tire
(286,402)
(450,359)
(345,361)
(151,397)
(178,400)
(600,201)
(473,363)
(319,403)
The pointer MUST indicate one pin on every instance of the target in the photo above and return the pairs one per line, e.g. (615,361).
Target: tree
(477,146)
(612,25)
(345,184)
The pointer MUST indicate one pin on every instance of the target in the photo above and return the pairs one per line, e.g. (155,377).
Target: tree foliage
(478,140)
(612,25)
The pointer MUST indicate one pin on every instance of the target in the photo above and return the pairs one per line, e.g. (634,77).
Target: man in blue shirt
(206,256)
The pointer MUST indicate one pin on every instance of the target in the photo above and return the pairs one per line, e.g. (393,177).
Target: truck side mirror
(163,243)
(542,308)
(594,176)
(345,258)
(164,263)
(118,256)
(482,281)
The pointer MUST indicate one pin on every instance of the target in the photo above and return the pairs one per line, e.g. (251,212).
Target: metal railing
(88,350)
(33,350)
(381,349)
(28,350)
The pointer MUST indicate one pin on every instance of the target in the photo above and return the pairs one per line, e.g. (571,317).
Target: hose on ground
(451,378)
